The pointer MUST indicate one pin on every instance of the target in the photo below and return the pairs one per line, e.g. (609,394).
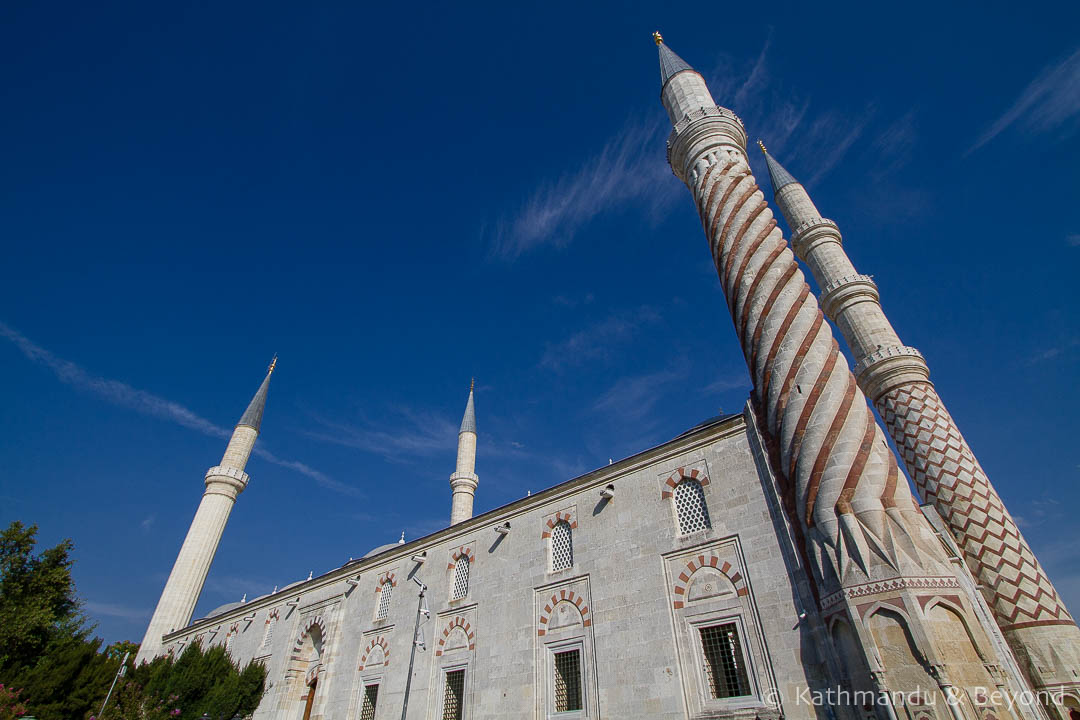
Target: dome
(381,549)
(223,609)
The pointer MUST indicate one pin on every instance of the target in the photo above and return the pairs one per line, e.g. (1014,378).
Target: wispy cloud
(895,143)
(145,403)
(630,168)
(632,399)
(795,130)
(727,382)
(1050,103)
(148,522)
(98,609)
(401,435)
(597,340)
(1063,348)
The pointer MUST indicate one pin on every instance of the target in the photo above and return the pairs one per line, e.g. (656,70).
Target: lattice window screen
(268,636)
(384,601)
(568,681)
(371,698)
(454,698)
(562,546)
(691,508)
(461,577)
(725,668)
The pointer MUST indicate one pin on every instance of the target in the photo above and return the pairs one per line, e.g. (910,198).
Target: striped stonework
(948,475)
(464,551)
(563,595)
(678,476)
(377,641)
(456,622)
(708,561)
(567,516)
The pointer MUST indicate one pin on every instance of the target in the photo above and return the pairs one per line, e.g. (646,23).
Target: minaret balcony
(699,131)
(890,367)
(233,477)
(840,293)
(811,232)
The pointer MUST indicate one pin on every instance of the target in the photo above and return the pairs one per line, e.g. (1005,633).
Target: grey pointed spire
(779,176)
(252,417)
(670,63)
(468,423)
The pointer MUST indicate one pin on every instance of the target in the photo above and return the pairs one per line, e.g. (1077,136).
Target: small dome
(381,549)
(223,609)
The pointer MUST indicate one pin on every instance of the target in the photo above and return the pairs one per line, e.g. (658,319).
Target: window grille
(725,668)
(229,642)
(461,577)
(562,546)
(568,681)
(454,697)
(268,636)
(384,600)
(371,698)
(690,506)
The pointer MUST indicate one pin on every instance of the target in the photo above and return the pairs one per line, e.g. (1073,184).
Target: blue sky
(395,201)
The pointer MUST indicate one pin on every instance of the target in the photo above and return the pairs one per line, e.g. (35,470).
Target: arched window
(690,506)
(461,577)
(384,600)
(562,546)
(268,636)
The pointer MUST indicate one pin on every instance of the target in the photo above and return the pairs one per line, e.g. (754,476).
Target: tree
(37,597)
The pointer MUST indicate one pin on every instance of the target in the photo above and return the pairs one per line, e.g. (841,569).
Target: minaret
(464,481)
(895,377)
(862,535)
(223,483)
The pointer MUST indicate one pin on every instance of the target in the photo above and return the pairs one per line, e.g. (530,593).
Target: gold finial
(472,384)
(273,364)
(762,146)
(658,38)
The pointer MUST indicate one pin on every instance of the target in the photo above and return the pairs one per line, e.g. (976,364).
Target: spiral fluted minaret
(895,377)
(224,482)
(864,536)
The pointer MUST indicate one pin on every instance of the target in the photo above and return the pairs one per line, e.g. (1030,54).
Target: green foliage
(37,597)
(62,674)
(195,683)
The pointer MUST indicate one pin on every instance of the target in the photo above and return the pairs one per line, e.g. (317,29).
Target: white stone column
(463,481)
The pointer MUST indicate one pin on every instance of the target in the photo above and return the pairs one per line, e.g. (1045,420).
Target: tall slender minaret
(223,483)
(895,377)
(464,480)
(863,537)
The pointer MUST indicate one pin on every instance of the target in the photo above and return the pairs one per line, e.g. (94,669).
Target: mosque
(765,564)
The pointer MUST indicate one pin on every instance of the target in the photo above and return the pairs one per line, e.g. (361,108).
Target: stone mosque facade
(766,564)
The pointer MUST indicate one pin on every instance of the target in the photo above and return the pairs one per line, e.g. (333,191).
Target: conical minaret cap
(468,423)
(252,417)
(670,63)
(779,176)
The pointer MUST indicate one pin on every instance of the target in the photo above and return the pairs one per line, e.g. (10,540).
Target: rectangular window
(371,698)
(454,698)
(725,667)
(568,681)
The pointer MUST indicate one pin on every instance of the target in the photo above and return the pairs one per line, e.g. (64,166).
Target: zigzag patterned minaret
(223,483)
(896,379)
(867,543)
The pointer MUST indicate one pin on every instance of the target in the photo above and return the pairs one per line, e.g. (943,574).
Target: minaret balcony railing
(802,237)
(692,117)
(839,294)
(227,475)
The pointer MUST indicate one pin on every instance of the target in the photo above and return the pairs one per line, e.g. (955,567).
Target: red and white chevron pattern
(832,451)
(947,474)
